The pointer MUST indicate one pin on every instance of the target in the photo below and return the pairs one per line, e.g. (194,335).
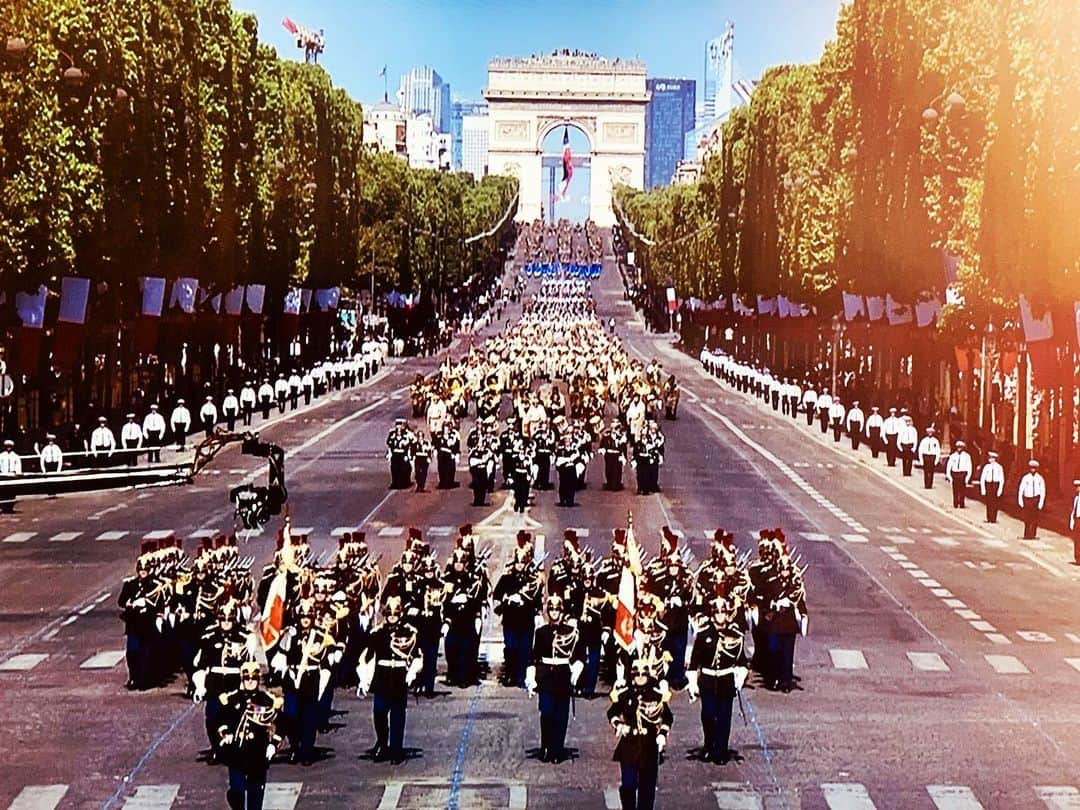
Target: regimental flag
(567,163)
(273,615)
(626,609)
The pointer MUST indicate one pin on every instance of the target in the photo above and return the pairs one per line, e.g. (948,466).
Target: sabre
(742,709)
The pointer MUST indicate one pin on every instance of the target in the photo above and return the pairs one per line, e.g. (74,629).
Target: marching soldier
(230,409)
(854,424)
(891,431)
(641,718)
(648,456)
(522,471)
(131,440)
(137,608)
(929,456)
(399,444)
(1031,497)
(958,470)
(266,397)
(1074,514)
(836,417)
(208,415)
(481,445)
(247,402)
(557,663)
(809,403)
(874,426)
(216,670)
(421,453)
(153,429)
(387,669)
(180,422)
(544,448)
(518,599)
(567,462)
(249,738)
(307,383)
(671,398)
(717,673)
(506,449)
(992,485)
(906,441)
(613,446)
(671,581)
(784,619)
(295,384)
(447,453)
(461,613)
(566,577)
(102,444)
(823,404)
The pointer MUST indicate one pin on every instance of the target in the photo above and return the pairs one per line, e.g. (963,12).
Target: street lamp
(954,101)
(837,329)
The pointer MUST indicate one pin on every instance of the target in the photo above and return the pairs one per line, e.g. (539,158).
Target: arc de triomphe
(529,97)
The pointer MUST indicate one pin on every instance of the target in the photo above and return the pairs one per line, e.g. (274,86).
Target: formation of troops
(574,393)
(559,242)
(265,653)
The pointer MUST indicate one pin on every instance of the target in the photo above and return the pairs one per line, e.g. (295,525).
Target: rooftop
(565,58)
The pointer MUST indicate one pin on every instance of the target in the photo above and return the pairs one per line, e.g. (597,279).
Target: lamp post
(837,328)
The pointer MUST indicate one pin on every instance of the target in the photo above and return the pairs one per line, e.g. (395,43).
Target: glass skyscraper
(462,108)
(668,117)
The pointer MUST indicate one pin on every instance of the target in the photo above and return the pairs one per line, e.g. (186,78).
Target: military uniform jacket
(393,648)
(646,712)
(306,659)
(399,441)
(568,582)
(555,647)
(786,608)
(137,604)
(677,593)
(220,655)
(462,606)
(517,600)
(249,717)
(448,441)
(716,652)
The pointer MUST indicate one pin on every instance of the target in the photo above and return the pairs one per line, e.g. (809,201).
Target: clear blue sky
(457,37)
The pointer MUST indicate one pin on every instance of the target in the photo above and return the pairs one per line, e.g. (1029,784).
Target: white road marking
(159,534)
(1036,636)
(736,796)
(1007,664)
(64,537)
(19,537)
(984,627)
(927,662)
(847,796)
(856,538)
(22,662)
(117,535)
(945,541)
(998,638)
(848,659)
(1073,637)
(953,797)
(391,795)
(889,529)
(928,582)
(1074,663)
(908,565)
(519,797)
(611,799)
(440,531)
(340,530)
(281,795)
(391,531)
(38,797)
(992,542)
(492,651)
(953,531)
(152,797)
(900,539)
(956,604)
(967,613)
(943,593)
(1059,797)
(103,660)
(581,531)
(1042,564)
(812,537)
(918,573)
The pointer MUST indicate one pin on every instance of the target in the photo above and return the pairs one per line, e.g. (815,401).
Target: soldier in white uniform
(180,421)
(992,485)
(906,441)
(295,384)
(854,423)
(208,415)
(266,397)
(153,428)
(10,467)
(1031,496)
(874,426)
(307,382)
(809,403)
(824,402)
(891,432)
(929,456)
(281,392)
(51,457)
(836,418)
(230,409)
(958,471)
(247,402)
(102,443)
(1074,523)
(131,439)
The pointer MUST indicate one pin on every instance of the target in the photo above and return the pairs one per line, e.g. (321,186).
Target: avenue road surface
(940,670)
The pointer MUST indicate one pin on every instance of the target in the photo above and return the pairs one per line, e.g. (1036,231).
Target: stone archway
(574,204)
(604,99)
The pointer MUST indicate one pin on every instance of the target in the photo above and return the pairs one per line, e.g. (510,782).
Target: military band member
(648,456)
(958,470)
(613,447)
(522,470)
(992,485)
(567,463)
(544,448)
(716,674)
(249,738)
(399,444)
(785,618)
(481,444)
(447,453)
(421,453)
(557,662)
(387,669)
(641,718)
(153,429)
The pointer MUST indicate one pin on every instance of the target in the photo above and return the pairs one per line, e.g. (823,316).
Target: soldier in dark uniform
(544,447)
(249,738)
(517,596)
(566,579)
(507,440)
(447,450)
(591,625)
(222,649)
(671,398)
(567,462)
(668,578)
(613,446)
(648,456)
(716,674)
(557,663)
(641,719)
(399,443)
(421,453)
(137,603)
(785,618)
(461,610)
(387,669)
(521,472)
(481,462)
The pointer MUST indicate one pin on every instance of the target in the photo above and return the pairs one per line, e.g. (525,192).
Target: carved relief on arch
(511,130)
(620,132)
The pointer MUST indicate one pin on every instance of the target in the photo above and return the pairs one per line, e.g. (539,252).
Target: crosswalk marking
(152,797)
(340,530)
(440,531)
(1074,663)
(991,542)
(64,537)
(814,537)
(19,537)
(391,531)
(23,662)
(117,535)
(1035,636)
(928,662)
(965,613)
(900,539)
(519,797)
(611,799)
(103,660)
(159,534)
(847,796)
(998,638)
(848,659)
(39,797)
(1059,797)
(736,796)
(1007,664)
(856,538)
(948,542)
(918,573)
(953,797)
(907,565)
(956,604)
(281,795)
(1073,637)
(391,795)
(953,531)
(943,593)
(984,627)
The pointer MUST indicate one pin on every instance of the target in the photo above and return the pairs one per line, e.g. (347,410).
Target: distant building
(384,128)
(719,61)
(669,115)
(459,109)
(422,91)
(426,148)
(474,144)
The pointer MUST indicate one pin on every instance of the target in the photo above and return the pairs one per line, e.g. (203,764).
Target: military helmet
(249,669)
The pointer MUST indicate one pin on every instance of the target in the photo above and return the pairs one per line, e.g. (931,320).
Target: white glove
(530,680)
(515,598)
(460,599)
(804,624)
(270,751)
(198,680)
(676,601)
(692,690)
(621,729)
(414,670)
(576,669)
(661,741)
(739,674)
(226,739)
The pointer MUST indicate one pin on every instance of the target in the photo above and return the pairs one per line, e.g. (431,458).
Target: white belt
(554,662)
(718,673)
(225,670)
(386,662)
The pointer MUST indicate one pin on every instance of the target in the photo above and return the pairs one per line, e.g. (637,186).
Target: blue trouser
(430,652)
(460,648)
(139,659)
(388,717)
(554,718)
(782,658)
(675,643)
(637,790)
(213,711)
(587,682)
(245,792)
(716,723)
(517,652)
(303,716)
